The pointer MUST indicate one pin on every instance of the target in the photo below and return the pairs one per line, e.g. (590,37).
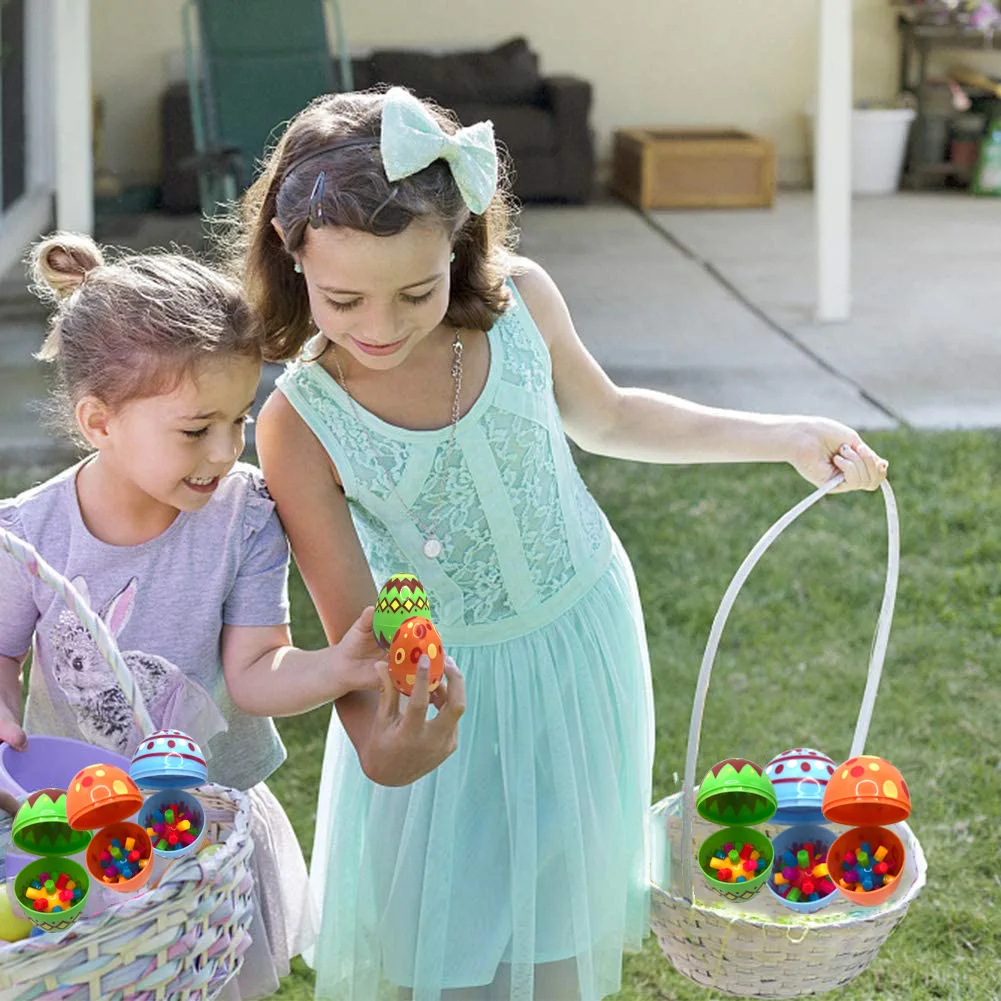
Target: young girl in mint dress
(422,428)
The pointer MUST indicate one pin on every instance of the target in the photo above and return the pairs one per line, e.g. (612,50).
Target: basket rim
(895,908)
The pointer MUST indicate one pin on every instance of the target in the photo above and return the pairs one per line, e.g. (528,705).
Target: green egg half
(41,827)
(402,597)
(736,792)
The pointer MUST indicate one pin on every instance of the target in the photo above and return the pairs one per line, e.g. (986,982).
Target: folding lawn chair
(252,64)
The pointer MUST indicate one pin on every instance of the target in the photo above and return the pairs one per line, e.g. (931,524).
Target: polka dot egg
(867,790)
(169,759)
(415,638)
(800,778)
(99,795)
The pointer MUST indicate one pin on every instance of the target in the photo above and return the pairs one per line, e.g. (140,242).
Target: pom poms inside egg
(402,597)
(415,638)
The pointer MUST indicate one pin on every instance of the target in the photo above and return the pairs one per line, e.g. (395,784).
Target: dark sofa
(542,121)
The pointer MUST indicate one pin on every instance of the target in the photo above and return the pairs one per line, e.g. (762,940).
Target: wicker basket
(759,948)
(182,940)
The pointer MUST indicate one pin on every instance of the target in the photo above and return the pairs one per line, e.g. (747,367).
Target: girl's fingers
(374,681)
(8,803)
(456,689)
(446,693)
(389,697)
(11,733)
(417,708)
(876,466)
(868,458)
(364,621)
(850,470)
(862,467)
(439,697)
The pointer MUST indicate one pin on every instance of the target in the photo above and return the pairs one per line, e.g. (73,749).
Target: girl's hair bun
(61,262)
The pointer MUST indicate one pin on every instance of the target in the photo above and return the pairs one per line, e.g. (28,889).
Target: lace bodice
(521,535)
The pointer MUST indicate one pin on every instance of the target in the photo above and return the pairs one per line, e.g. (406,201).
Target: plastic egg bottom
(802,834)
(849,842)
(46,919)
(163,799)
(715,841)
(101,841)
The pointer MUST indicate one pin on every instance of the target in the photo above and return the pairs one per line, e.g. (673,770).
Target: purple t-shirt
(165,601)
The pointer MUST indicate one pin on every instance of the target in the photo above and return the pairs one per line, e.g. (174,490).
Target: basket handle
(876,656)
(28,557)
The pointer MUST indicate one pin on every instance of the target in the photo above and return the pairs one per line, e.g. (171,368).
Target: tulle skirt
(524,854)
(285,918)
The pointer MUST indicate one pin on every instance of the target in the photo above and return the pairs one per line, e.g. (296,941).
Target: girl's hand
(403,746)
(11,733)
(8,804)
(357,658)
(823,448)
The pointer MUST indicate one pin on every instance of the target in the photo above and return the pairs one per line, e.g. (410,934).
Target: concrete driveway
(714,306)
(717,306)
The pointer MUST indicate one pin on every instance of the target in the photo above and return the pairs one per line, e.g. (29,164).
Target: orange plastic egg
(866,791)
(415,638)
(100,795)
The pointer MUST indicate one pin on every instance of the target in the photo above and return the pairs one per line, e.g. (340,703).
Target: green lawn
(796,651)
(796,648)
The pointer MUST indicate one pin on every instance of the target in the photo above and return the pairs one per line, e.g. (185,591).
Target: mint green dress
(527,846)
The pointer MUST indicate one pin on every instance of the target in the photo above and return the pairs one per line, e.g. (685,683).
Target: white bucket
(879,144)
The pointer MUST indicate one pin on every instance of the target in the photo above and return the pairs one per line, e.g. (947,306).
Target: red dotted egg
(415,638)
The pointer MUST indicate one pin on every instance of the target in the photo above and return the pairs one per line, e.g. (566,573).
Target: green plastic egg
(402,597)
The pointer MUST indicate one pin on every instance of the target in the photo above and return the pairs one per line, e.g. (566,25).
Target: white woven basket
(181,941)
(759,948)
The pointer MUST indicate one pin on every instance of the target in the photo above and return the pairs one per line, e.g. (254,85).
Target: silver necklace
(432,544)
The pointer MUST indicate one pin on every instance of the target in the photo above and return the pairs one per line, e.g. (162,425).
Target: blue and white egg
(168,759)
(799,777)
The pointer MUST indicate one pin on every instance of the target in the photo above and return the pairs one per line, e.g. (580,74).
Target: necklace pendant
(432,549)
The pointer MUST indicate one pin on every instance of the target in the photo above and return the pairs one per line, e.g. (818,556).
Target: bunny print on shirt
(173,700)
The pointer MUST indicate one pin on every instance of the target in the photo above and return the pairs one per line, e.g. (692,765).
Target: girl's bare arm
(649,426)
(394,748)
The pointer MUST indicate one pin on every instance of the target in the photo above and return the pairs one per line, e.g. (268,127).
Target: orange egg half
(866,791)
(415,638)
(100,795)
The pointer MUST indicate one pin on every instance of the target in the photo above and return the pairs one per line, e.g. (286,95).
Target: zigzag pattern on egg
(400,598)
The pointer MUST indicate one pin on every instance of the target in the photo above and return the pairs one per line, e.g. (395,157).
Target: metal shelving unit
(918,39)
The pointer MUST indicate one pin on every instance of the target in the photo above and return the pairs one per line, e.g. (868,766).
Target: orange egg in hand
(415,638)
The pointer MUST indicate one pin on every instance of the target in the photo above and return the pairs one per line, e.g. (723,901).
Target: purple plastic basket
(50,763)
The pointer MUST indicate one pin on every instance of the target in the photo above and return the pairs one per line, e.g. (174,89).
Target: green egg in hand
(402,597)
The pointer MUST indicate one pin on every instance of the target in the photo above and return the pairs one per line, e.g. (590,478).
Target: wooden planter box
(658,168)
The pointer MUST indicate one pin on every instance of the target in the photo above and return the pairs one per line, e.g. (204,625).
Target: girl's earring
(451,260)
(298,268)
